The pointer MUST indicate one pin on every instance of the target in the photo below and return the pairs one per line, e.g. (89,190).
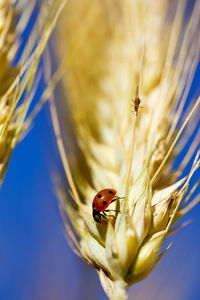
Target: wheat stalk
(126,50)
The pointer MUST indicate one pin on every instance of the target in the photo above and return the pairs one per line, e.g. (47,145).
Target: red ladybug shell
(103,199)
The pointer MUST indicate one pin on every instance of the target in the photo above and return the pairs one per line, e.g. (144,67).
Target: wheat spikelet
(127,50)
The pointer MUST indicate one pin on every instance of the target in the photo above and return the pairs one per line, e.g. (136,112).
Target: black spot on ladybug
(110,192)
(105,202)
(99,196)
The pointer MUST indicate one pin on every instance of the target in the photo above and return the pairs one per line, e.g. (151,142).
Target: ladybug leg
(117,198)
(116,210)
(103,216)
(108,215)
(107,210)
(114,200)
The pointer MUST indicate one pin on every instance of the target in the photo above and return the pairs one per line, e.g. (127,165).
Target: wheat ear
(143,53)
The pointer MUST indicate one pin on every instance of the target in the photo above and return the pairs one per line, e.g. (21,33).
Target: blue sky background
(36,262)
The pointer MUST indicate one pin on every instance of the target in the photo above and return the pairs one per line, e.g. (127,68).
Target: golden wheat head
(129,66)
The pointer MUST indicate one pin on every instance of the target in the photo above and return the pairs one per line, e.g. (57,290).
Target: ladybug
(100,203)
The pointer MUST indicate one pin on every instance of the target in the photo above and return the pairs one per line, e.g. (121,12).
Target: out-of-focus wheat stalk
(113,49)
(19,81)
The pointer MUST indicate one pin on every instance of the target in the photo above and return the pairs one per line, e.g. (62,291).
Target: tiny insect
(100,203)
(136,102)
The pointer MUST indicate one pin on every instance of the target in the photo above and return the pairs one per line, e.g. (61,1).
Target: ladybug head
(97,216)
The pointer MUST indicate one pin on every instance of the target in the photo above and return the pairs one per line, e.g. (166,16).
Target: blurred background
(36,263)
